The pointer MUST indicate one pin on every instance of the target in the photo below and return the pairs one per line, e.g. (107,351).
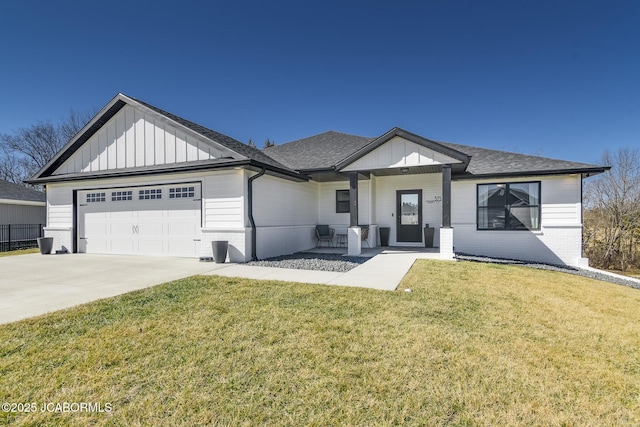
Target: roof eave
(185,168)
(22,202)
(585,172)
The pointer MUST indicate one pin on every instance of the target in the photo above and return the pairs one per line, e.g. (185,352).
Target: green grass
(473,344)
(20,252)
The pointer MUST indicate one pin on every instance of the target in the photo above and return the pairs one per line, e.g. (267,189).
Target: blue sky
(554,78)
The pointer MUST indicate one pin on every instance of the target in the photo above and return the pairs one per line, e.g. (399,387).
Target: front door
(409,216)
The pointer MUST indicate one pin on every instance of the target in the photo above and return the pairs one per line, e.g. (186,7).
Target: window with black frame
(509,206)
(342,201)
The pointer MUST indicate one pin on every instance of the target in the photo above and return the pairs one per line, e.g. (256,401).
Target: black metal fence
(19,236)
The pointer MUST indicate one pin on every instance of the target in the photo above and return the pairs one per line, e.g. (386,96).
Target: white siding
(558,241)
(59,205)
(223,199)
(385,197)
(133,138)
(327,204)
(398,152)
(279,202)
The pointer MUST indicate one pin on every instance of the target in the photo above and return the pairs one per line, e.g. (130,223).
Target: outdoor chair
(324,234)
(364,234)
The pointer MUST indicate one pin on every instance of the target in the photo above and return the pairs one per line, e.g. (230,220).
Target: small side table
(341,240)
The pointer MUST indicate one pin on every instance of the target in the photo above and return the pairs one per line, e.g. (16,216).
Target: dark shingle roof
(227,141)
(11,191)
(485,161)
(330,148)
(321,151)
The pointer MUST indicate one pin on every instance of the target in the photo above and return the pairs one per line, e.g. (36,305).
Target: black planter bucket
(220,250)
(428,236)
(45,244)
(384,236)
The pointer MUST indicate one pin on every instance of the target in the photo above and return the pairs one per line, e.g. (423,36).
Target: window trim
(339,202)
(507,207)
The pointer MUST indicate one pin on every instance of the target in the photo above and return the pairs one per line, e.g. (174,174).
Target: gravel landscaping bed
(312,261)
(562,268)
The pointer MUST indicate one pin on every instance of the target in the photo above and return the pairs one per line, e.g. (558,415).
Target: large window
(342,201)
(509,206)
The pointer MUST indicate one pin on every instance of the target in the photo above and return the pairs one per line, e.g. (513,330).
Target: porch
(399,182)
(430,253)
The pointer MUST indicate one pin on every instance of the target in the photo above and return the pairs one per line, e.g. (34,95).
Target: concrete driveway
(35,284)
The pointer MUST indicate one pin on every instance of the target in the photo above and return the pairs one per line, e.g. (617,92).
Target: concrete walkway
(31,285)
(383,271)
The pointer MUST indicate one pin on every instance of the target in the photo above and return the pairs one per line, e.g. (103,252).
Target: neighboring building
(21,205)
(23,213)
(140,180)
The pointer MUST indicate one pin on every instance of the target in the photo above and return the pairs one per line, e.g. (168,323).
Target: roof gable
(399,148)
(398,152)
(128,134)
(135,138)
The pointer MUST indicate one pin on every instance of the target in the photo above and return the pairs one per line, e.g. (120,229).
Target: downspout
(254,257)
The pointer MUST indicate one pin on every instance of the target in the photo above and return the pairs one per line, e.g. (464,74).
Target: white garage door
(151,220)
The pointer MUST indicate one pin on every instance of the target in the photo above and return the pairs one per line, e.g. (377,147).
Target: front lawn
(20,252)
(472,344)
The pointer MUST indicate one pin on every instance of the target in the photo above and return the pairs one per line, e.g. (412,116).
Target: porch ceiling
(333,175)
(410,170)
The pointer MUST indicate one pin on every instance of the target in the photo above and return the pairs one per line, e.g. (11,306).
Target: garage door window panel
(121,196)
(150,194)
(96,197)
(181,192)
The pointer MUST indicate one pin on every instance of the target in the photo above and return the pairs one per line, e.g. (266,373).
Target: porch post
(353,199)
(446,231)
(446,196)
(353,236)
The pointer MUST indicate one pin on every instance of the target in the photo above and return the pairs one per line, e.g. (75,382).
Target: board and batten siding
(133,138)
(559,240)
(398,152)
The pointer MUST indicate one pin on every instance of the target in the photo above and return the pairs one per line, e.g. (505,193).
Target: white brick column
(354,242)
(446,243)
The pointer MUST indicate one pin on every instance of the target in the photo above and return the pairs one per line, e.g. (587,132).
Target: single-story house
(21,205)
(23,212)
(140,180)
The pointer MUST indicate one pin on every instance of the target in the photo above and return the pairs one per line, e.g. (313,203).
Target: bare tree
(612,215)
(26,150)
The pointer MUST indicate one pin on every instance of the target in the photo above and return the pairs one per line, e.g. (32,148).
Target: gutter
(254,257)
(583,171)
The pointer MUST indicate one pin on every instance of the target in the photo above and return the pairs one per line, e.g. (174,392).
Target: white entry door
(150,220)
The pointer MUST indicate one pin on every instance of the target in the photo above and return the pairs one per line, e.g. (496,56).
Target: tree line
(24,151)
(611,221)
